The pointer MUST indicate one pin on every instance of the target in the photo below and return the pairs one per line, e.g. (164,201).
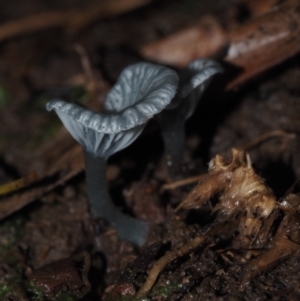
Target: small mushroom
(142,91)
(193,80)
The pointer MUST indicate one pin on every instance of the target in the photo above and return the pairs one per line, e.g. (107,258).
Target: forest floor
(53,248)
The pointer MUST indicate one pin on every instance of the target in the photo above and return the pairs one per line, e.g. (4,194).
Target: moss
(35,293)
(5,289)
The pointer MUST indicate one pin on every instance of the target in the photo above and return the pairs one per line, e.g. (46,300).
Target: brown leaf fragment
(202,39)
(67,275)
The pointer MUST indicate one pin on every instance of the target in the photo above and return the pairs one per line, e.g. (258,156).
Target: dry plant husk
(242,194)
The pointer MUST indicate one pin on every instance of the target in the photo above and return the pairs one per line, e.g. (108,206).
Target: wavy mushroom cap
(194,79)
(141,91)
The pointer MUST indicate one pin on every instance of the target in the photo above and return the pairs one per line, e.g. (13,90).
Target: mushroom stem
(173,132)
(128,228)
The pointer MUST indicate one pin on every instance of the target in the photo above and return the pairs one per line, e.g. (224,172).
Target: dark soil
(58,226)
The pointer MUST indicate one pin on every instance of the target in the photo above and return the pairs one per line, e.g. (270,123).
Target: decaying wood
(252,47)
(75,19)
(264,42)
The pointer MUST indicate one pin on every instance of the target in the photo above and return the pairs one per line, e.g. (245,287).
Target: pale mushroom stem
(173,133)
(128,228)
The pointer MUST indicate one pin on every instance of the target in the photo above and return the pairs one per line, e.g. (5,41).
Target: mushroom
(193,80)
(141,91)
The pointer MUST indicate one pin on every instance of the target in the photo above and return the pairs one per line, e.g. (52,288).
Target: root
(183,182)
(164,261)
(273,134)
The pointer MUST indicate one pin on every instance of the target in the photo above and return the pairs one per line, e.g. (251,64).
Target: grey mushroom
(141,91)
(193,80)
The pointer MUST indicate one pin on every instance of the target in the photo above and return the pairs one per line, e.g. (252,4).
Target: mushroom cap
(194,79)
(197,75)
(141,91)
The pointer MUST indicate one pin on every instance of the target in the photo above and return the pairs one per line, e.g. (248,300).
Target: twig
(74,19)
(267,136)
(70,164)
(164,261)
(18,184)
(245,147)
(92,82)
(183,182)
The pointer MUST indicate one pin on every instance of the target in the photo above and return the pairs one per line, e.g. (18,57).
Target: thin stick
(246,146)
(18,184)
(266,136)
(164,261)
(93,83)
(74,19)
(183,182)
